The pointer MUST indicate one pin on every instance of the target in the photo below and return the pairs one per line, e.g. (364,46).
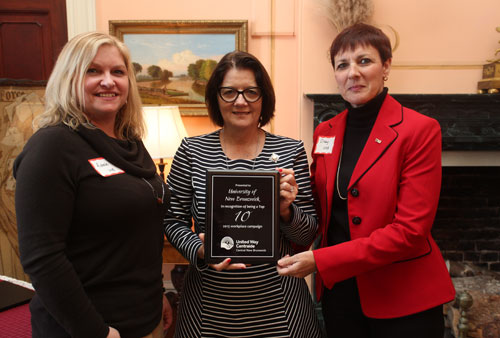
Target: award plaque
(242,216)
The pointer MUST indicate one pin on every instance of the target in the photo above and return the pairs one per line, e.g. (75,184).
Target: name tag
(324,145)
(104,168)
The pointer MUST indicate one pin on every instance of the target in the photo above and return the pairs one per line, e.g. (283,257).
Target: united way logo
(227,243)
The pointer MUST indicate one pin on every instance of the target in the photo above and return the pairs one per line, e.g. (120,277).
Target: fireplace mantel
(468,121)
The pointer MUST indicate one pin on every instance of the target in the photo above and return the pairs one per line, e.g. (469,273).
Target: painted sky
(176,51)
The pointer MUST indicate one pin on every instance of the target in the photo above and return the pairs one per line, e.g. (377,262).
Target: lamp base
(161,168)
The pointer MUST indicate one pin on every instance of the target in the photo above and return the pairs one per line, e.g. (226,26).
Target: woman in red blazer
(376,176)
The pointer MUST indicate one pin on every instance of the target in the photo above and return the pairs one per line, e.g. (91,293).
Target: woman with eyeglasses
(233,299)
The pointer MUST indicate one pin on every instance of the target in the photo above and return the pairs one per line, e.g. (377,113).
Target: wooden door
(32,33)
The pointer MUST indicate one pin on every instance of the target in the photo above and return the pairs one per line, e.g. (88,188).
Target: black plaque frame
(242,208)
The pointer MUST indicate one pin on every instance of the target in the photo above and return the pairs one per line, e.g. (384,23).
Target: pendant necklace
(223,144)
(155,195)
(338,174)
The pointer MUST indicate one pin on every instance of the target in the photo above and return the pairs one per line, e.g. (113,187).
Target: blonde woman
(89,203)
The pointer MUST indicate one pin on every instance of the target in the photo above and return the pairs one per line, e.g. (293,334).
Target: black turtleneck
(360,121)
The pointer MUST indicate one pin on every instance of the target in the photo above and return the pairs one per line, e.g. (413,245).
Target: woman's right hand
(298,265)
(224,265)
(113,333)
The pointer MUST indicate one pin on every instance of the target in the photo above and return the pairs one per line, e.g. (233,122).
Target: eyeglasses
(230,94)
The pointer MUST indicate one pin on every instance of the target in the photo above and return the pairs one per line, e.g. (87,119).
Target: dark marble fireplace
(467,225)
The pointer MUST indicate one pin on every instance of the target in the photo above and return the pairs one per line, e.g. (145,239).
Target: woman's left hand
(168,316)
(224,265)
(288,192)
(299,265)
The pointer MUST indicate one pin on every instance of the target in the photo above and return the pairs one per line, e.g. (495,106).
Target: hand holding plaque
(242,220)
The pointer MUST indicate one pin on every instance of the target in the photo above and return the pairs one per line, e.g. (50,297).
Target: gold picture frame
(174,58)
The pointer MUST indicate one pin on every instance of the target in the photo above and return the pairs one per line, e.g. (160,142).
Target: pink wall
(443,45)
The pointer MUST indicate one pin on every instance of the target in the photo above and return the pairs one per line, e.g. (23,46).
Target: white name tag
(104,168)
(324,145)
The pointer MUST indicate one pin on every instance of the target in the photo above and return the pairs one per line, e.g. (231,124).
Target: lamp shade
(165,130)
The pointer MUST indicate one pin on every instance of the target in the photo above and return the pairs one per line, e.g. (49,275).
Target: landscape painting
(173,60)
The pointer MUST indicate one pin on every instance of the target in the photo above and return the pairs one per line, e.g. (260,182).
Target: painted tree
(137,67)
(193,71)
(207,68)
(154,71)
(165,75)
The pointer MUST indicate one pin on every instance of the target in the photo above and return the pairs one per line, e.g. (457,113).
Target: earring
(386,78)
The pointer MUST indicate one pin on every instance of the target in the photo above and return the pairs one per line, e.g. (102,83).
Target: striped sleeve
(178,220)
(302,228)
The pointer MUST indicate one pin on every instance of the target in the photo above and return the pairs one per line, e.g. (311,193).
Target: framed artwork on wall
(174,59)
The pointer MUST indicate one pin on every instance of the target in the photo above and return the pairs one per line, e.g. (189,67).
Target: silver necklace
(338,174)
(223,144)
(155,195)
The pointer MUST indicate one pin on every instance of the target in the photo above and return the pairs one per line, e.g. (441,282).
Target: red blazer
(392,200)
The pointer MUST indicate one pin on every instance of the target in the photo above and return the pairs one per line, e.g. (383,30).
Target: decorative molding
(22,82)
(81,16)
(468,121)
(465,158)
(436,66)
(266,22)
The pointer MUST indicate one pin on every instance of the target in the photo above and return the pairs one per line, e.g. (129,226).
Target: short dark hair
(240,60)
(361,34)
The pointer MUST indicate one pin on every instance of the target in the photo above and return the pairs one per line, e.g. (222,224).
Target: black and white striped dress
(256,301)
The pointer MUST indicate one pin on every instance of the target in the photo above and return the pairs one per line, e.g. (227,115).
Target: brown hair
(240,60)
(361,34)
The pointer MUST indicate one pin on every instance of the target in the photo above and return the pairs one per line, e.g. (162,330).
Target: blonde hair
(64,95)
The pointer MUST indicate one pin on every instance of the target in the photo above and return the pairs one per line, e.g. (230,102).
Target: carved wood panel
(32,33)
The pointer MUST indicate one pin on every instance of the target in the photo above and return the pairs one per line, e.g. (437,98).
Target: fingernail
(280,170)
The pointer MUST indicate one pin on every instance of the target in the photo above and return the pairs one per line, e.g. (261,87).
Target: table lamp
(165,132)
